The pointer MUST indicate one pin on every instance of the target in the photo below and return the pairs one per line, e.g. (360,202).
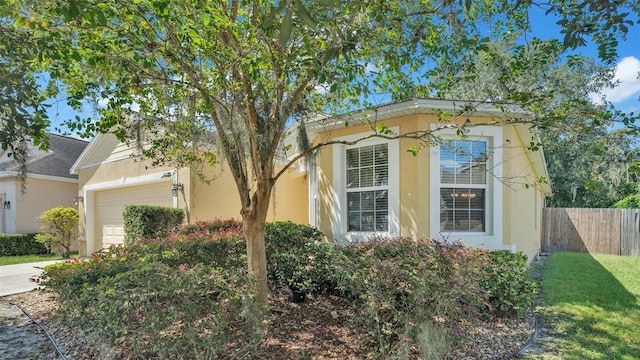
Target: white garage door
(109,205)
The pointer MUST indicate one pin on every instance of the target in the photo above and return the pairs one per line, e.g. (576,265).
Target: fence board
(601,231)
(630,237)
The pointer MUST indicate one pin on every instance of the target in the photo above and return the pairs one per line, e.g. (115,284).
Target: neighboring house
(486,188)
(48,184)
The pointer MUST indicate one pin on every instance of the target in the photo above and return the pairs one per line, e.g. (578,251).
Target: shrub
(146,221)
(287,237)
(401,283)
(220,250)
(211,227)
(163,298)
(158,311)
(20,244)
(59,229)
(506,282)
(310,270)
(69,278)
(292,270)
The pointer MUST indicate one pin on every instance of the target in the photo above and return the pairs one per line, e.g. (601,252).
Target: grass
(11,260)
(592,307)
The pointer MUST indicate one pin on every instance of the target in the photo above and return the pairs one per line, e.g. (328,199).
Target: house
(486,188)
(48,184)
(112,176)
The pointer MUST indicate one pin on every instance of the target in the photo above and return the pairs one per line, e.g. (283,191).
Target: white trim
(10,174)
(128,181)
(107,161)
(80,163)
(338,213)
(418,106)
(313,194)
(88,150)
(492,237)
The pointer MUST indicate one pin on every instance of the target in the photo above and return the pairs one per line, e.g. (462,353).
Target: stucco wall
(40,195)
(522,199)
(201,199)
(219,198)
(522,206)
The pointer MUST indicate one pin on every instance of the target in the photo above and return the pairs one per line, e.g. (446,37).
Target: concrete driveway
(14,279)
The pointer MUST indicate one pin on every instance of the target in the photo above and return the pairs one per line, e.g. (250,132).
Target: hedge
(20,244)
(146,221)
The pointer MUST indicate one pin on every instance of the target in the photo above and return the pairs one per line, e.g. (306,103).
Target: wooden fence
(600,231)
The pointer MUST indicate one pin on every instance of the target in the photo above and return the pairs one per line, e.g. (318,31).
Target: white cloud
(627,82)
(103,102)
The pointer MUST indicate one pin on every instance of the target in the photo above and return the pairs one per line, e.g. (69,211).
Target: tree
(232,74)
(59,229)
(22,102)
(589,168)
(604,22)
(587,163)
(631,201)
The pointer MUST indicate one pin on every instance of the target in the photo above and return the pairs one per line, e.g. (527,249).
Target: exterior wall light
(175,188)
(6,204)
(77,200)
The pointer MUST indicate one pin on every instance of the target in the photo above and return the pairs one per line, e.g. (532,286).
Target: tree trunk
(253,227)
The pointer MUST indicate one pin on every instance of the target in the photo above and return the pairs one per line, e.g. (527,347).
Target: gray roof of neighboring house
(57,161)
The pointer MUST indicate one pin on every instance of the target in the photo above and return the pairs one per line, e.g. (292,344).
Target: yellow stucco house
(48,184)
(112,176)
(486,188)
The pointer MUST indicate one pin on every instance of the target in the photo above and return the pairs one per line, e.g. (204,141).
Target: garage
(109,205)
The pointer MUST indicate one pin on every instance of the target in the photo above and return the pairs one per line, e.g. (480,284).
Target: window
(367,170)
(463,186)
(465,190)
(366,197)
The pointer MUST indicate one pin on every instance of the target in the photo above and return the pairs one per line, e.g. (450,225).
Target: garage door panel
(110,204)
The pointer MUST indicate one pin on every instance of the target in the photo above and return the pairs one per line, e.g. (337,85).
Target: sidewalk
(14,279)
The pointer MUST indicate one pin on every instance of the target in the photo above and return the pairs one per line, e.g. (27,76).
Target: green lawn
(592,306)
(10,260)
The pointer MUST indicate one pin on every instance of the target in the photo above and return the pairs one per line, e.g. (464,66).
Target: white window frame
(339,215)
(492,236)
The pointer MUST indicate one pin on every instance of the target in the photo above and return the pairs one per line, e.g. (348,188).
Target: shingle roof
(57,161)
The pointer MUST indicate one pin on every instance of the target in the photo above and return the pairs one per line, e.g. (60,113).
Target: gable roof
(55,162)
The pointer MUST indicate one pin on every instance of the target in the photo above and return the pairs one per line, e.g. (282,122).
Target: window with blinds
(463,186)
(367,185)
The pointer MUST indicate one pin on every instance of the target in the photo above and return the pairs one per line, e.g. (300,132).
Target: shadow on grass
(593,313)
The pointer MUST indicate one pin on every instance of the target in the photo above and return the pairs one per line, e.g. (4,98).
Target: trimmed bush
(59,229)
(20,244)
(146,221)
(507,283)
(288,237)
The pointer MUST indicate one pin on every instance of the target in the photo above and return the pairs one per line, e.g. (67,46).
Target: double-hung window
(463,186)
(367,187)
(465,191)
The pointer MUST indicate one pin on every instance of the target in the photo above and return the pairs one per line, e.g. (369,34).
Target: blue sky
(625,96)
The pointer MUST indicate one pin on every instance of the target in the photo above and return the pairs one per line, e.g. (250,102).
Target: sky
(625,96)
